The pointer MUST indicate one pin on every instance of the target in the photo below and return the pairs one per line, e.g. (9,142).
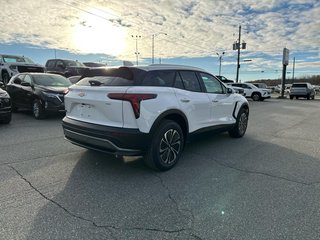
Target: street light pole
(136,37)
(220,59)
(153,36)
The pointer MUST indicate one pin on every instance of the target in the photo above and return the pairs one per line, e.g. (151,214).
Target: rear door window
(178,82)
(190,81)
(161,78)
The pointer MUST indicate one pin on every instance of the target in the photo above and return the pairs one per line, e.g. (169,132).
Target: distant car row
(11,65)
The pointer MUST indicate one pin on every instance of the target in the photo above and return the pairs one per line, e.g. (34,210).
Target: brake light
(134,99)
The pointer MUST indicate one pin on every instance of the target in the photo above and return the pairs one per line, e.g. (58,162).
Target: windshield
(73,63)
(16,59)
(301,85)
(51,80)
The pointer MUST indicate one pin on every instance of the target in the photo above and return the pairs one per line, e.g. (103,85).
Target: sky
(193,32)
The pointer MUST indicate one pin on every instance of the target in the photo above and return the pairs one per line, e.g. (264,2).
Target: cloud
(194,28)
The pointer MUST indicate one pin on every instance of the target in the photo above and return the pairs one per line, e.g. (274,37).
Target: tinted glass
(69,63)
(302,85)
(105,81)
(27,79)
(159,78)
(178,82)
(190,81)
(51,80)
(212,85)
(123,76)
(50,64)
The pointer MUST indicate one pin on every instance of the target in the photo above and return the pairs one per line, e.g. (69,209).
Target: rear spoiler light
(134,99)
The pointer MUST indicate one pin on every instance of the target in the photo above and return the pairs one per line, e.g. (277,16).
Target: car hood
(26,64)
(53,89)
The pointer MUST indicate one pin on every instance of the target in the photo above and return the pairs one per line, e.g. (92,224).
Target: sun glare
(94,34)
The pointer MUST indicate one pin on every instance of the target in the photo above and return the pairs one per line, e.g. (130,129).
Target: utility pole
(285,62)
(294,63)
(136,37)
(238,61)
(55,54)
(237,46)
(153,36)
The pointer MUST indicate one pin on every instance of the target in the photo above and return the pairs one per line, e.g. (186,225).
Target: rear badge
(81,94)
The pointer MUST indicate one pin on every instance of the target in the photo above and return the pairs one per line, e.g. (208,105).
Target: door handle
(184,100)
(215,101)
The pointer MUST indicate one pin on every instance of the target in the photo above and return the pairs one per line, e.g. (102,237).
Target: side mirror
(17,81)
(25,84)
(2,85)
(230,90)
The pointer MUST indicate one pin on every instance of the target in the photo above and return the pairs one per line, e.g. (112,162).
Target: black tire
(240,127)
(166,146)
(312,97)
(308,97)
(6,119)
(5,77)
(37,109)
(291,97)
(15,109)
(297,97)
(255,96)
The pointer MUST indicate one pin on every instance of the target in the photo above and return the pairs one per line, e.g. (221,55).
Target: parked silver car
(305,90)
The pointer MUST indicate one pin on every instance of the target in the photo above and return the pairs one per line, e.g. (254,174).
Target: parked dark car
(65,67)
(41,92)
(5,106)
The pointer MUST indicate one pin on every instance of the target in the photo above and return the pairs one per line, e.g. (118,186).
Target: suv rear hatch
(97,99)
(298,88)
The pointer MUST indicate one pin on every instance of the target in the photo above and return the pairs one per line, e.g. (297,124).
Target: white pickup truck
(11,65)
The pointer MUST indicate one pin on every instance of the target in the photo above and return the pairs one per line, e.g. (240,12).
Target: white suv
(251,91)
(11,65)
(150,111)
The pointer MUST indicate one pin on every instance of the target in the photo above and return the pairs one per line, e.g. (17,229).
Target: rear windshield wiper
(95,83)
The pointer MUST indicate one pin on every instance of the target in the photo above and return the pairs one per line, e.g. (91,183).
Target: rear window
(104,81)
(159,78)
(122,76)
(302,85)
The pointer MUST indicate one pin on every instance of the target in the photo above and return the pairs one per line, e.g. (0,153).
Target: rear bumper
(112,140)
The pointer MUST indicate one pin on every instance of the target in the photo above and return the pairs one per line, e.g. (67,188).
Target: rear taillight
(133,98)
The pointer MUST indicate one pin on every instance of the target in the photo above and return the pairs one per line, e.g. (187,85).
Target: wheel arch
(174,115)
(255,92)
(241,106)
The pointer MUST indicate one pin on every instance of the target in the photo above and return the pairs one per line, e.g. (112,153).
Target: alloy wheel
(170,146)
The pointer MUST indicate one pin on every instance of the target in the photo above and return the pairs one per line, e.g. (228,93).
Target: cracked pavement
(264,186)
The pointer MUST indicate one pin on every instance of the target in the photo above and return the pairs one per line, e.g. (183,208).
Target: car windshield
(16,59)
(73,63)
(51,80)
(302,85)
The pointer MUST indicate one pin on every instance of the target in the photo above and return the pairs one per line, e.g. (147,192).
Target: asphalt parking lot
(263,186)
